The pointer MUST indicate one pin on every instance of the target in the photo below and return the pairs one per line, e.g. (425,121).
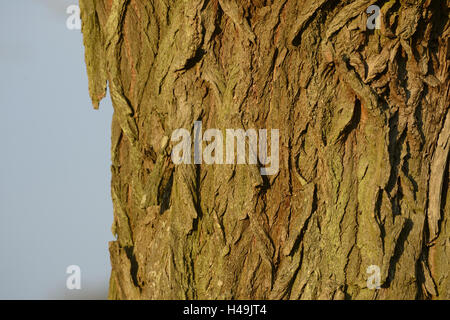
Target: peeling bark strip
(363,147)
(439,171)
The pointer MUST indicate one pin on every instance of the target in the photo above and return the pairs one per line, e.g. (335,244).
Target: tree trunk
(363,147)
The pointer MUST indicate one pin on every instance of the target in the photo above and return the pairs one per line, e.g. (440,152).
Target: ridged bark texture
(364,147)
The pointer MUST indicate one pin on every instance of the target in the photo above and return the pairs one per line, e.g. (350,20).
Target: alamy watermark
(374,20)
(73,281)
(213,153)
(73,22)
(374,280)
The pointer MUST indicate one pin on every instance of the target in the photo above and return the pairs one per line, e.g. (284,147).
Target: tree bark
(364,147)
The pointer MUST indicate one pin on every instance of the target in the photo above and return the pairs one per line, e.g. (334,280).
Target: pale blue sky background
(55,206)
